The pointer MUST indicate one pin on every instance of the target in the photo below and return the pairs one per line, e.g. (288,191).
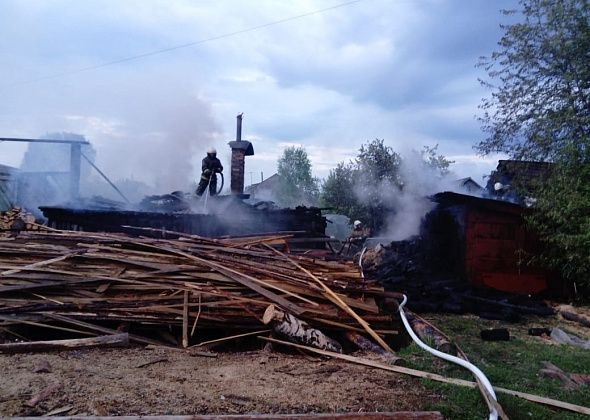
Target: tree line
(361,188)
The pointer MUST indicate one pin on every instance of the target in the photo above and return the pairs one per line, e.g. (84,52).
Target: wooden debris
(117,340)
(43,394)
(59,410)
(367,345)
(570,380)
(197,353)
(569,312)
(152,362)
(298,331)
(428,334)
(17,219)
(396,415)
(90,283)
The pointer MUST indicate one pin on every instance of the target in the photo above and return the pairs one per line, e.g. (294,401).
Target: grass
(513,364)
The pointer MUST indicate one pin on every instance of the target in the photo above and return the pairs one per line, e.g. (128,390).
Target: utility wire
(181,46)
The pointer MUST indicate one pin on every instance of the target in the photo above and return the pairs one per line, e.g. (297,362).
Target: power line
(181,46)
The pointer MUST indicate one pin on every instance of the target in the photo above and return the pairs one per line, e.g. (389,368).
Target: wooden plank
(241,278)
(116,340)
(185,320)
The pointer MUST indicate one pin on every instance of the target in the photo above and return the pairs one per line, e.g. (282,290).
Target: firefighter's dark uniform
(211,166)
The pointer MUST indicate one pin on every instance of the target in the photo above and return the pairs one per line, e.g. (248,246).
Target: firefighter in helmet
(359,232)
(210,167)
(357,238)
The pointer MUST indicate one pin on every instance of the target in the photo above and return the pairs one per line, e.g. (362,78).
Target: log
(429,334)
(298,331)
(185,321)
(337,301)
(551,371)
(116,340)
(570,380)
(367,345)
(569,313)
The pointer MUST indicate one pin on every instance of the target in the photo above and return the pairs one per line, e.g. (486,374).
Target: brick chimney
(239,150)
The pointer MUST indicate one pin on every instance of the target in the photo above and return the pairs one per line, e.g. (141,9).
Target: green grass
(513,364)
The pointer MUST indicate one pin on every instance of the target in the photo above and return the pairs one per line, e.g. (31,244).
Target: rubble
(403,267)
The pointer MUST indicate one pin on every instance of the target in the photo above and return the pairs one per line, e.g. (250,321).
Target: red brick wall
(237,171)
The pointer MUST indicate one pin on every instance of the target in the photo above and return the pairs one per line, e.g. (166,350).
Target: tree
(540,110)
(355,189)
(377,178)
(439,163)
(296,185)
(370,187)
(562,218)
(541,105)
(337,188)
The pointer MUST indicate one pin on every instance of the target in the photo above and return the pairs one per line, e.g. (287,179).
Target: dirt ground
(113,382)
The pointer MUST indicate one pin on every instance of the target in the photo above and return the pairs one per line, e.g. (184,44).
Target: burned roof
(448,199)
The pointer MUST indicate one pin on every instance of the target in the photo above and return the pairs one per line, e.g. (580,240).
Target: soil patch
(114,382)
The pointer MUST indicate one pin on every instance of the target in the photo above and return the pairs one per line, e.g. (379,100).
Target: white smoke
(145,126)
(411,204)
(407,205)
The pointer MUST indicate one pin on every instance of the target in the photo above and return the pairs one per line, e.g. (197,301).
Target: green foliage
(364,188)
(337,189)
(296,185)
(541,105)
(563,220)
(540,110)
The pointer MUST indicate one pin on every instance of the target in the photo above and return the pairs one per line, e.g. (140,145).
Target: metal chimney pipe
(239,127)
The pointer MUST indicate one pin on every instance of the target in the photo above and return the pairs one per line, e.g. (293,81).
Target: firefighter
(211,166)
(356,239)
(359,233)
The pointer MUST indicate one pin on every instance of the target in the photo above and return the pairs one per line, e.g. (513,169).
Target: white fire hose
(467,365)
(471,367)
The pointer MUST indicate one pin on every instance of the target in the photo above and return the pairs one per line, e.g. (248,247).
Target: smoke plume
(408,202)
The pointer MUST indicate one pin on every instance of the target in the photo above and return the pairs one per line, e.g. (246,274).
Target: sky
(328,75)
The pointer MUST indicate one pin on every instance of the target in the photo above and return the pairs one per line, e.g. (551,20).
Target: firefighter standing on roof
(211,166)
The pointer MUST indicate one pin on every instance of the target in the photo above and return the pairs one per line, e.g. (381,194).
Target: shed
(485,241)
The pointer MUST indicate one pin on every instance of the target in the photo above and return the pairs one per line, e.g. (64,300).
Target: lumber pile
(93,283)
(17,219)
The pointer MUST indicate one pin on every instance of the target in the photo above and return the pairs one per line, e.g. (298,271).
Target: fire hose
(467,365)
(222,182)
